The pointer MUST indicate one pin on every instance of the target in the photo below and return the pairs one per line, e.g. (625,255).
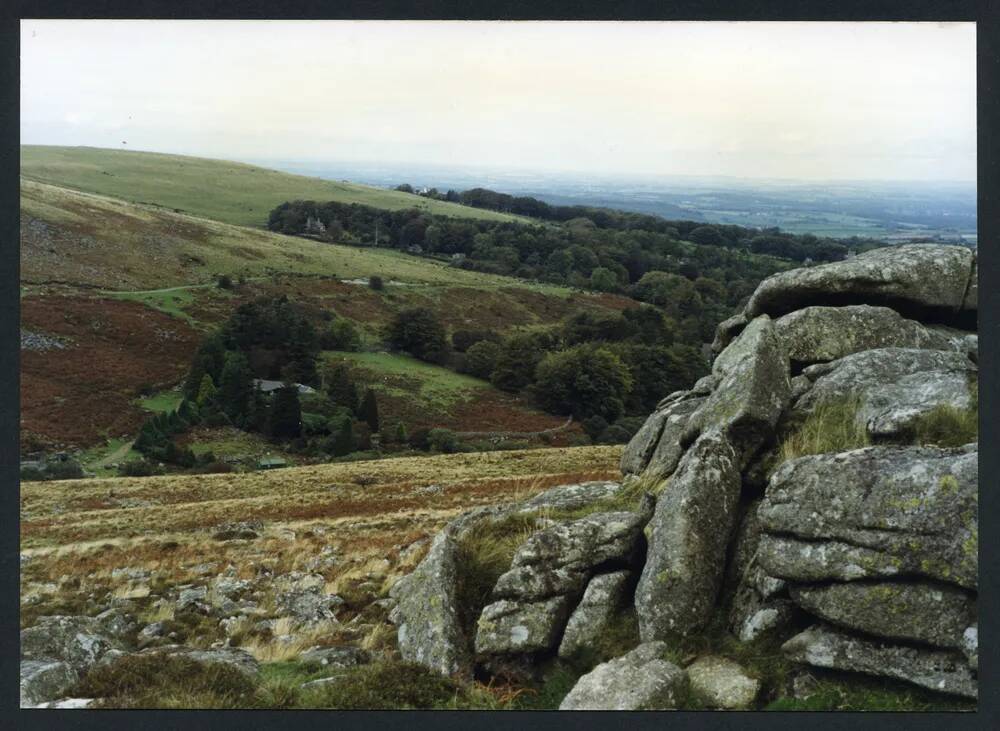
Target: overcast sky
(793,100)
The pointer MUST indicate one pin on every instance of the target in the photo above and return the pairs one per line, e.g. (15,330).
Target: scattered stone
(722,683)
(192,598)
(77,641)
(571,497)
(604,595)
(232,656)
(308,606)
(241,530)
(343,656)
(940,670)
(638,681)
(68,704)
(322,682)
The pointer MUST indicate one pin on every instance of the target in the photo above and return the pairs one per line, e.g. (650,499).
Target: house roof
(269,386)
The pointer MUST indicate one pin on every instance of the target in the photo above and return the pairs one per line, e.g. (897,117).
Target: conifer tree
(369,410)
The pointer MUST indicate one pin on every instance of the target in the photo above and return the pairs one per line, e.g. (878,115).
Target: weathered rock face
(820,334)
(520,627)
(924,278)
(892,411)
(752,392)
(757,601)
(874,512)
(938,670)
(571,497)
(656,452)
(77,641)
(932,613)
(722,683)
(604,596)
(689,534)
(872,370)
(44,680)
(638,681)
(548,573)
(429,628)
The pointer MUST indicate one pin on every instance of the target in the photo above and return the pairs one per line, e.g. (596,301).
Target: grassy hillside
(87,239)
(224,191)
(130,289)
(423,395)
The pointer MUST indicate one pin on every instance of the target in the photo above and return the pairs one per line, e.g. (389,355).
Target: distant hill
(225,191)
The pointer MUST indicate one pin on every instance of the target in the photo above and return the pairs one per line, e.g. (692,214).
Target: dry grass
(317,520)
(831,427)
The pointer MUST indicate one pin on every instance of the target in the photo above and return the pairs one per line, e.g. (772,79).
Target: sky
(813,101)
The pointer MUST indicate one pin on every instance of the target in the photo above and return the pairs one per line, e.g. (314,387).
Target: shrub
(224,282)
(394,685)
(584,381)
(165,681)
(375,282)
(462,340)
(69,469)
(31,474)
(442,440)
(139,468)
(417,331)
(341,335)
(419,439)
(481,359)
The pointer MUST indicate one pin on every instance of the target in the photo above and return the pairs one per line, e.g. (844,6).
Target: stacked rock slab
(880,542)
(697,511)
(547,577)
(877,545)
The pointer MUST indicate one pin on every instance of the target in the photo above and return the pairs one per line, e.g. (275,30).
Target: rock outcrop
(876,547)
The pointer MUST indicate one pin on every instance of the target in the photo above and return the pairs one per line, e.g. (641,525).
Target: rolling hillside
(94,240)
(115,297)
(225,191)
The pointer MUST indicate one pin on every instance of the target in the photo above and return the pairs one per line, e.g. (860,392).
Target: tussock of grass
(947,426)
(397,686)
(859,693)
(163,681)
(832,427)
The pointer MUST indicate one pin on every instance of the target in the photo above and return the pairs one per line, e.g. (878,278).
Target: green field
(223,191)
(162,401)
(400,375)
